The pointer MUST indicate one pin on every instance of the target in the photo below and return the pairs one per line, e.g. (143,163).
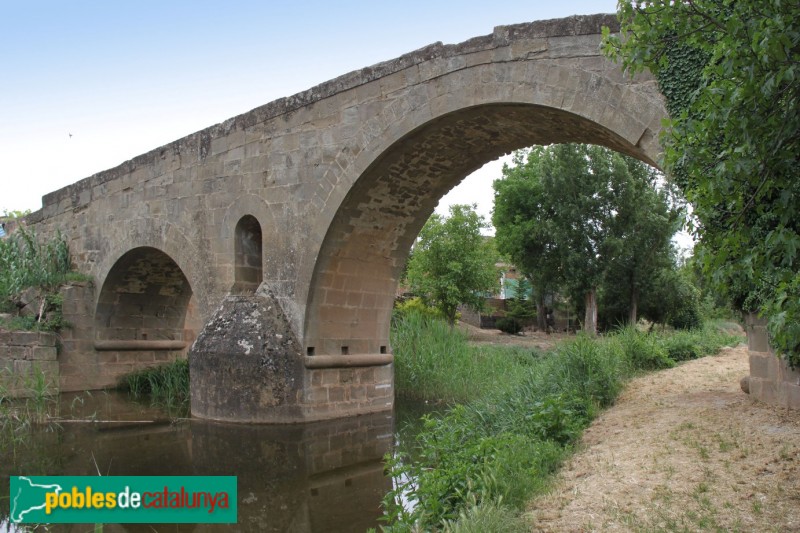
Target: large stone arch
(387,191)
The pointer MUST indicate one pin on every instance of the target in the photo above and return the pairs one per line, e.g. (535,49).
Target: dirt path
(533,339)
(682,450)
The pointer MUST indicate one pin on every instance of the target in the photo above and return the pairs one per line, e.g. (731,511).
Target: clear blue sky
(125,77)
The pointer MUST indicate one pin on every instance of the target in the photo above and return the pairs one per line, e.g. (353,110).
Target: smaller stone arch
(146,296)
(145,313)
(248,255)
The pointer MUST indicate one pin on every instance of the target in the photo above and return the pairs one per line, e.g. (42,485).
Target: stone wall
(331,392)
(23,355)
(89,361)
(771,379)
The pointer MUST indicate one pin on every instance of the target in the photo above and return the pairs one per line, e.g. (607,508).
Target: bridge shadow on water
(325,476)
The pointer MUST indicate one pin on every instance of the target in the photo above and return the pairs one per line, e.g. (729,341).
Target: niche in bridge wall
(145,297)
(248,259)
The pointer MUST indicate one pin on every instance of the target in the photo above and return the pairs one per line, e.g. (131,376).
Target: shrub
(590,369)
(509,325)
(682,346)
(643,351)
(415,306)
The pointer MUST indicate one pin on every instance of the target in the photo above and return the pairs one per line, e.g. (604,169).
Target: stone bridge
(276,238)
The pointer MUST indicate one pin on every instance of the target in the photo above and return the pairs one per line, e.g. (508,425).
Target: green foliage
(452,263)
(521,307)
(27,263)
(415,306)
(644,351)
(52,319)
(435,362)
(579,217)
(731,74)
(592,370)
(509,325)
(488,517)
(679,300)
(166,384)
(15,214)
(504,444)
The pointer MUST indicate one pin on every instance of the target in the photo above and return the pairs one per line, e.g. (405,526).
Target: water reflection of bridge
(325,476)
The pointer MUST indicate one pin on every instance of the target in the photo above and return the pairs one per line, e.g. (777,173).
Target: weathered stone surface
(25,357)
(771,378)
(320,195)
(246,363)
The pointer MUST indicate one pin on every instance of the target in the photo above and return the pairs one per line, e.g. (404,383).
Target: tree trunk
(590,318)
(633,310)
(541,319)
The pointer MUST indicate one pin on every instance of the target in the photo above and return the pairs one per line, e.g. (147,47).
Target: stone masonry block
(384,374)
(22,368)
(330,377)
(792,395)
(366,375)
(775,367)
(757,338)
(316,395)
(43,353)
(336,394)
(47,339)
(763,390)
(788,375)
(24,338)
(759,364)
(15,352)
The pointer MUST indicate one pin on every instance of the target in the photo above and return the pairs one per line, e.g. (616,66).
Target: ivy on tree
(452,263)
(730,73)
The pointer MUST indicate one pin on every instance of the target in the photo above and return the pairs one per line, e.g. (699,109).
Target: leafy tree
(15,214)
(452,263)
(730,73)
(571,215)
(522,231)
(648,213)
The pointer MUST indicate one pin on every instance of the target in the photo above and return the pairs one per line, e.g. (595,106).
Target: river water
(319,477)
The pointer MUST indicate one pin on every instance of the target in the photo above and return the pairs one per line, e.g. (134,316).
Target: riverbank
(683,449)
(525,410)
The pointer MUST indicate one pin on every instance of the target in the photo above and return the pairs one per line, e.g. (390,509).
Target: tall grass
(434,362)
(26,261)
(166,385)
(20,417)
(500,448)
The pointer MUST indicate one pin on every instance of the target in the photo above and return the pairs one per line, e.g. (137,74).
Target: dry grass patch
(683,449)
